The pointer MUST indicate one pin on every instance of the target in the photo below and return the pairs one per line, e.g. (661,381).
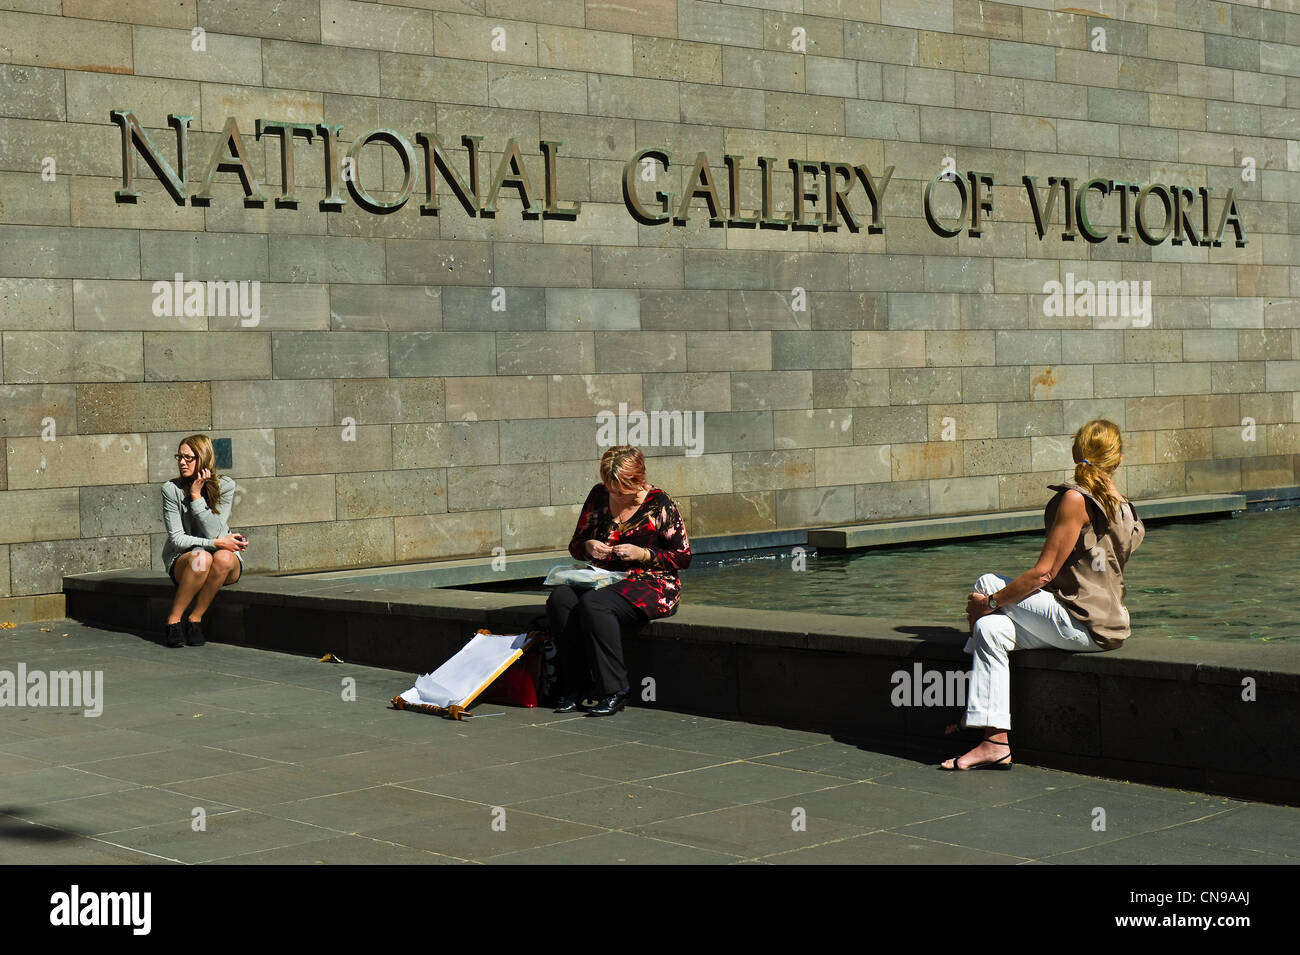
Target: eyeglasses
(187,458)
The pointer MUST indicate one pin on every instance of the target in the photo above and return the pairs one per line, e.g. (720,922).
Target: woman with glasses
(627,526)
(200,553)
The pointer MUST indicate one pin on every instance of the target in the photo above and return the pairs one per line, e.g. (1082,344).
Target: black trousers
(588,627)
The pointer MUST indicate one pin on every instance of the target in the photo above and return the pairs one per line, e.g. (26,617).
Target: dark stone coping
(1163,711)
(856,536)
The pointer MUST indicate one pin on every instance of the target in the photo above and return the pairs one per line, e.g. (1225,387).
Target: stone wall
(421,386)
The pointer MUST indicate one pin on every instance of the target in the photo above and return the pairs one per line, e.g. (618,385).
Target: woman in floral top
(626,525)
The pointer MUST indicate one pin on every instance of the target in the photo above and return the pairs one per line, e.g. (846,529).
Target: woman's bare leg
(191,571)
(225,569)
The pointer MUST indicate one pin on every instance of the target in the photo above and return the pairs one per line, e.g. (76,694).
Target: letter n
(134,137)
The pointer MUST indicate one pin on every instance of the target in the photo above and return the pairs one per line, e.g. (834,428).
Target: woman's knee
(196,563)
(995,632)
(989,584)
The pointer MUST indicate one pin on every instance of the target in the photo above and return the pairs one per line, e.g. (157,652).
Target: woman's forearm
(1020,588)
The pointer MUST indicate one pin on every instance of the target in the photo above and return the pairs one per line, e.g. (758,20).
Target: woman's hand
(235,542)
(630,552)
(977,605)
(196,483)
(598,550)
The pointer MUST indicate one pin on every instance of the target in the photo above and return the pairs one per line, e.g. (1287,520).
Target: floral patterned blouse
(652,587)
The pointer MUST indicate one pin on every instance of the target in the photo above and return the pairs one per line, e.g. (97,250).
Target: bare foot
(990,753)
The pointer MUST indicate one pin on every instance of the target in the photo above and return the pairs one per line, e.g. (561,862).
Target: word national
(211,299)
(655,429)
(75,907)
(69,689)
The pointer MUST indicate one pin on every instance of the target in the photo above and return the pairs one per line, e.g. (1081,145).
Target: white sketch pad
(476,665)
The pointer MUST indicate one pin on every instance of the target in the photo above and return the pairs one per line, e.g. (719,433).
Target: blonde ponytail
(1098,447)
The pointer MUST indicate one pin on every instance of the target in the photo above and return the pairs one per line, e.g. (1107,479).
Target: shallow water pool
(1230,578)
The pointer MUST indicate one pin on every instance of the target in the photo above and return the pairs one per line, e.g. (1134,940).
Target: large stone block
(586,396)
(204,256)
(332,450)
(739,513)
(309,66)
(772,470)
(524,87)
(112,408)
(516,485)
(224,58)
(389,400)
(541,353)
(285,20)
(452,444)
(77,460)
(590,309)
(674,59)
(853,465)
(435,537)
(771,390)
(263,501)
(336,544)
(359,308)
(377,26)
(517,263)
(816,506)
(391,493)
(72,356)
(28,200)
(34,304)
(66,43)
(107,306)
(33,409)
(39,568)
(34,92)
(270,404)
(54,252)
(207,356)
(494,398)
(321,259)
(433,354)
(537,528)
(52,514)
(716,23)
(536,442)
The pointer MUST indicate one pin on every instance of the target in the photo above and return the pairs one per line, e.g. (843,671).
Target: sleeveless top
(1090,584)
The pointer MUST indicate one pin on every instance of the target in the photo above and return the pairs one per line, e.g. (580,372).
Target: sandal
(1003,763)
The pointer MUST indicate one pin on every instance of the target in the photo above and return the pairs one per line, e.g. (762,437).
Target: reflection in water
(1228,577)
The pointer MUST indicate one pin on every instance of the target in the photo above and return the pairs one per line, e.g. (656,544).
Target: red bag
(518,686)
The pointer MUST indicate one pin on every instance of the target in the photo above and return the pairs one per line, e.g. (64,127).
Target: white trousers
(1037,621)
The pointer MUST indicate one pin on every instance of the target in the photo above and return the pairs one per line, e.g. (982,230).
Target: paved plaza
(222,754)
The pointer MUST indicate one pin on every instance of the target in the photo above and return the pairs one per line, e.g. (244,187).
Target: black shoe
(175,635)
(609,705)
(566,704)
(194,633)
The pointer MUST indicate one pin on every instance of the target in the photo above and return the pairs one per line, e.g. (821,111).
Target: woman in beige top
(1072,599)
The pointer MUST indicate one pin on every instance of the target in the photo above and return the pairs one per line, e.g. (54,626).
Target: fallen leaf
(331,658)
(46,629)
(8,625)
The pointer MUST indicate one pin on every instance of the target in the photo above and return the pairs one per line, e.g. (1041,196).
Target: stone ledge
(857,536)
(1159,711)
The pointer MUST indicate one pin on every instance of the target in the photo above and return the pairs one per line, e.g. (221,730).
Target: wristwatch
(993,604)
